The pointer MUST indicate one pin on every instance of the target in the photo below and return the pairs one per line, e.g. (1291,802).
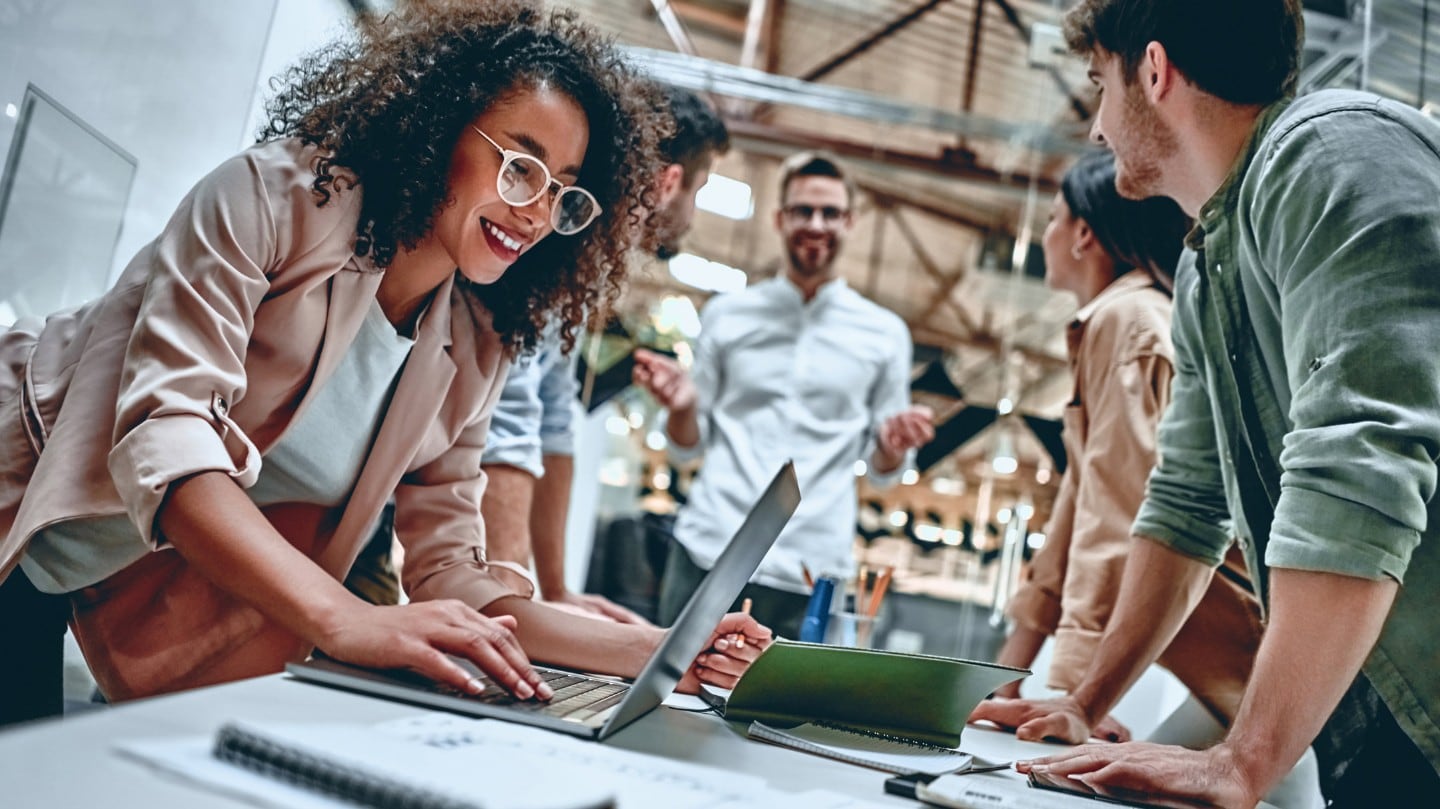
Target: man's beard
(808,269)
(1148,141)
(667,235)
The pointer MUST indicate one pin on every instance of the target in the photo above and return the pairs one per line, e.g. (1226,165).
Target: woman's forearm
(563,638)
(222,534)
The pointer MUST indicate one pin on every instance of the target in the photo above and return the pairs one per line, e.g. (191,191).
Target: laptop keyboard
(577,698)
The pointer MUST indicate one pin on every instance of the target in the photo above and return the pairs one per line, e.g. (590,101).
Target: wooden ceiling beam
(762,111)
(972,63)
(665,12)
(934,164)
(709,18)
(866,43)
(1078,106)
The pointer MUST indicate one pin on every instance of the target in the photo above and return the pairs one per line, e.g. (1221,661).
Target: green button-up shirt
(1306,405)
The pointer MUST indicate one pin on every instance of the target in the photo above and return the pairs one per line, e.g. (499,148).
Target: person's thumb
(1048,728)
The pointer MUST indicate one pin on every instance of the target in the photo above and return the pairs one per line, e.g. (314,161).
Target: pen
(745,608)
(809,580)
(988,768)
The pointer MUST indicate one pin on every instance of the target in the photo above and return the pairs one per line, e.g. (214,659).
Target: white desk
(69,762)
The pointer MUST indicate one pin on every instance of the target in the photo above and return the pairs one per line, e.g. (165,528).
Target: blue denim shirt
(535,415)
(1306,405)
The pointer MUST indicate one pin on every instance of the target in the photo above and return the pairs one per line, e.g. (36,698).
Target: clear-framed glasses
(523,179)
(830,216)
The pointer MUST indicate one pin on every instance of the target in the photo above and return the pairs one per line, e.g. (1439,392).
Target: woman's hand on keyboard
(421,636)
(735,644)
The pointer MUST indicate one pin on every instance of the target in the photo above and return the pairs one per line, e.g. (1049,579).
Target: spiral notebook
(889,753)
(360,767)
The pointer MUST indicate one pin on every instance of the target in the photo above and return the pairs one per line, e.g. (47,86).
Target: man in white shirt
(799,366)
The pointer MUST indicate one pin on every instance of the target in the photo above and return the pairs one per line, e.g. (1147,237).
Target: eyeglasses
(802,214)
(523,179)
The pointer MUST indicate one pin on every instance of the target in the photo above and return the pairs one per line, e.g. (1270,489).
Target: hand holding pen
(736,643)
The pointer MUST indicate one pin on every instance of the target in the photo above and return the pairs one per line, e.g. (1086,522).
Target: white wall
(172,82)
(176,83)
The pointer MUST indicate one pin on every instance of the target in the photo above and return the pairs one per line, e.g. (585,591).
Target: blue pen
(817,612)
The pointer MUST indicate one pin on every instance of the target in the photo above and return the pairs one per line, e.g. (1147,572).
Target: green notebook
(907,696)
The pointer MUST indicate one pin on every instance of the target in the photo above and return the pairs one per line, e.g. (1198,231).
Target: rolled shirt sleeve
(1185,507)
(889,396)
(1035,604)
(1359,312)
(533,416)
(204,278)
(437,520)
(706,376)
(558,391)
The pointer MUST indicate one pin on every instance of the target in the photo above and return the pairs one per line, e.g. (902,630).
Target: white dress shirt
(779,378)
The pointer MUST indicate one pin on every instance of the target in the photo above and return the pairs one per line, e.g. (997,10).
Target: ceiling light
(727,197)
(1002,458)
(678,314)
(702,273)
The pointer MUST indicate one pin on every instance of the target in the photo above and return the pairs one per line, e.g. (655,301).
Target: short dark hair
(1145,234)
(699,133)
(1259,60)
(815,164)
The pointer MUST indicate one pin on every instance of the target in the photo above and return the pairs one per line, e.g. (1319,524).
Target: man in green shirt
(1306,406)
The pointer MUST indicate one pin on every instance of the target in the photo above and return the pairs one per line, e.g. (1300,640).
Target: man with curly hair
(190,463)
(1305,412)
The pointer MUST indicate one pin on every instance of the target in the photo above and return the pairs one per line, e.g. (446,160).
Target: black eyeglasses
(802,214)
(523,179)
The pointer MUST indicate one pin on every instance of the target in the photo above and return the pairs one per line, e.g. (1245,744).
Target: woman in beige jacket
(189,464)
(1117,257)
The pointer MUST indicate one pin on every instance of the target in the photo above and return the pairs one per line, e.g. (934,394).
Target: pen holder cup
(850,629)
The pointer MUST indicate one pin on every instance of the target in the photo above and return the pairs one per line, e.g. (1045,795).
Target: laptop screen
(719,589)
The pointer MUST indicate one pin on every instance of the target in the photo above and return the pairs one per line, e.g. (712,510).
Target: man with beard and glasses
(1305,414)
(530,447)
(800,366)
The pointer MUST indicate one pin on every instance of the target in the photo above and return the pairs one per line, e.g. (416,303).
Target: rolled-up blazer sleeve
(184,361)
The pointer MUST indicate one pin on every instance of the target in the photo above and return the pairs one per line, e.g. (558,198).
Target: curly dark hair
(390,103)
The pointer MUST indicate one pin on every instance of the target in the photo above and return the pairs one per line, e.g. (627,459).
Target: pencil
(809,580)
(879,594)
(745,608)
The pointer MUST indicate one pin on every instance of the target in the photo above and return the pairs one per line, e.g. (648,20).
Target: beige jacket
(1121,356)
(211,343)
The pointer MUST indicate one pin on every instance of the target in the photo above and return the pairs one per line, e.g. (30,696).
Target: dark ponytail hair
(1146,234)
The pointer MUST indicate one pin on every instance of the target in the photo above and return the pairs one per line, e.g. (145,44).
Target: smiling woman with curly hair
(370,105)
(189,464)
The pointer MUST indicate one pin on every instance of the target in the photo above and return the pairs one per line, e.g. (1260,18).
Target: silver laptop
(587,706)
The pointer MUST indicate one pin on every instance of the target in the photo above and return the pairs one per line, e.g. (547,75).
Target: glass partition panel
(62,201)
